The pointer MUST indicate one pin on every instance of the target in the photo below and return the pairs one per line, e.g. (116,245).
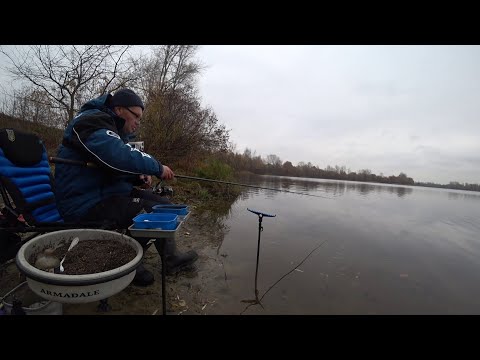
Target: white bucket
(30,302)
(76,289)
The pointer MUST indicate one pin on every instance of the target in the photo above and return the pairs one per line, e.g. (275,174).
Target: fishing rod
(246,185)
(57,160)
(91,164)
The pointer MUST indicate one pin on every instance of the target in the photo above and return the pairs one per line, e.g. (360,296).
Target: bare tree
(175,125)
(172,68)
(71,74)
(274,160)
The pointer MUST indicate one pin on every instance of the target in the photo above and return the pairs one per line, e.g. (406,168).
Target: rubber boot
(174,260)
(143,277)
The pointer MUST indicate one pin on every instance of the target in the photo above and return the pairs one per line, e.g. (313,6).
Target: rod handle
(58,160)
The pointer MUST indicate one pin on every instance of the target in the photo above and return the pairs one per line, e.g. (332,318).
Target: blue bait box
(165,221)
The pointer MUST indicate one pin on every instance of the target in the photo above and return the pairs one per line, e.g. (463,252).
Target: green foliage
(203,194)
(215,169)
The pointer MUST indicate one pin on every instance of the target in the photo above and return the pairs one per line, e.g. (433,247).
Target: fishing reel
(162,190)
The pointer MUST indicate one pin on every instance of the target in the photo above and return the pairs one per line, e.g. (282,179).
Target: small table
(161,236)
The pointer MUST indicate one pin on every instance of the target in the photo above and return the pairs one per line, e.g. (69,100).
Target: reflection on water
(333,187)
(457,195)
(388,249)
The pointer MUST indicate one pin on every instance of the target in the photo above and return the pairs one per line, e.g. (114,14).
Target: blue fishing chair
(25,176)
(26,187)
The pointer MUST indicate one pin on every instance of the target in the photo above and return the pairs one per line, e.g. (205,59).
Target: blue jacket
(95,135)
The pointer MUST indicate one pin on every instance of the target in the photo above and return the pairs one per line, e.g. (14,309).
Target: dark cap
(126,98)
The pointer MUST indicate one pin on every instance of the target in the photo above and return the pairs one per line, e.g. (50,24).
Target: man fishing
(100,133)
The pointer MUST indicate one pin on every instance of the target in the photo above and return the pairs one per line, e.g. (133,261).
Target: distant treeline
(273,165)
(451,185)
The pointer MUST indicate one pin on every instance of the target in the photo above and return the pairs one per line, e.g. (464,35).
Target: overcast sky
(390,109)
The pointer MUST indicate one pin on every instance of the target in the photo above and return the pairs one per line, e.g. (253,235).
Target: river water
(377,249)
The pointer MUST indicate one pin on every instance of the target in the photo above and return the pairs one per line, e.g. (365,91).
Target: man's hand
(167,173)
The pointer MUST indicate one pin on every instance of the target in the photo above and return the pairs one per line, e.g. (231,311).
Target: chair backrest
(25,175)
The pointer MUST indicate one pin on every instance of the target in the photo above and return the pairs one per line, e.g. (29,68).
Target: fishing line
(247,185)
(257,301)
